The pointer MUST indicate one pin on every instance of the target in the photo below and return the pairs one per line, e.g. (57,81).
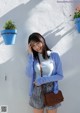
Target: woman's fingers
(35,83)
(29,48)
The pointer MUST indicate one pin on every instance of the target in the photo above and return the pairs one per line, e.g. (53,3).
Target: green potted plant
(9,32)
(76,18)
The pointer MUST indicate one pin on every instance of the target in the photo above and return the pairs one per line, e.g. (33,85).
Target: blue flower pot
(9,36)
(77,23)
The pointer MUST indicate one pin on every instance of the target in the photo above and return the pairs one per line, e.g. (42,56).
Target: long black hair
(36,37)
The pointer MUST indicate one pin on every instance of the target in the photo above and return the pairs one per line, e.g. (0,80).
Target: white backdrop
(53,21)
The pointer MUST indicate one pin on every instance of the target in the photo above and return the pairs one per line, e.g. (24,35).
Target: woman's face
(37,46)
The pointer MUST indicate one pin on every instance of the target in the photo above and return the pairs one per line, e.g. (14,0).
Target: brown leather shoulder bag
(50,98)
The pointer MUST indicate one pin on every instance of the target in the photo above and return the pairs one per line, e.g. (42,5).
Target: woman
(39,53)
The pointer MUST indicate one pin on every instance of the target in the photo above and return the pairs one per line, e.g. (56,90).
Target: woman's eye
(37,43)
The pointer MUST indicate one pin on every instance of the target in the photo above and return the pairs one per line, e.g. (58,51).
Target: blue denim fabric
(37,100)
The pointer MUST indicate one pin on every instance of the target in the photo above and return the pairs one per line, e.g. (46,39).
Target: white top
(47,66)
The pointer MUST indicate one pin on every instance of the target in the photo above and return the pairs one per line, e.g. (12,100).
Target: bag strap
(44,99)
(41,69)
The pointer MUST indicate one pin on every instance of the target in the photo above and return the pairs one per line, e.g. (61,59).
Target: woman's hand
(29,49)
(35,83)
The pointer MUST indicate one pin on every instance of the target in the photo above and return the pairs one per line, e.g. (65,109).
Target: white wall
(51,19)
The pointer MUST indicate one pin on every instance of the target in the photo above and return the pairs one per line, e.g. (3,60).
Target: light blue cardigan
(55,76)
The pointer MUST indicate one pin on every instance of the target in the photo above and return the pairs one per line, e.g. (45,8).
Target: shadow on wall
(52,39)
(1,40)
(17,64)
(19,15)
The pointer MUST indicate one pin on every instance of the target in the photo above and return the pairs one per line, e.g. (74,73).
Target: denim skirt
(37,101)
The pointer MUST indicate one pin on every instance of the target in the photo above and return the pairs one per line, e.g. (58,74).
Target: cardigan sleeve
(54,77)
(29,66)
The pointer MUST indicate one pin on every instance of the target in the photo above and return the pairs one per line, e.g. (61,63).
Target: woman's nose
(37,47)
